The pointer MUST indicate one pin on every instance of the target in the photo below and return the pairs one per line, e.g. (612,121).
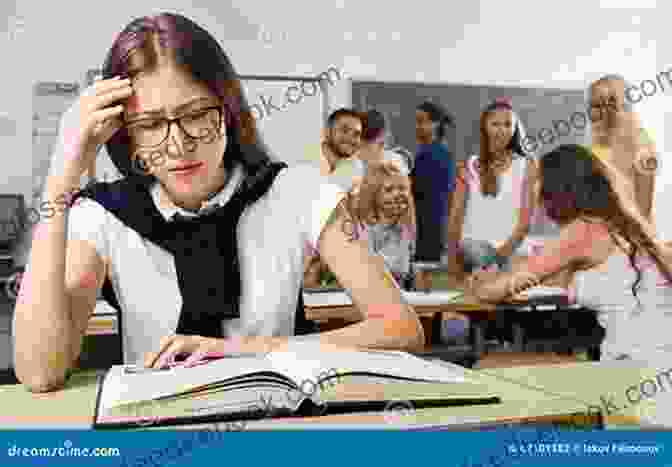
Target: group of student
(208,251)
(598,199)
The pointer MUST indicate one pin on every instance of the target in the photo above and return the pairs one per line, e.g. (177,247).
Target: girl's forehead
(607,88)
(500,115)
(167,86)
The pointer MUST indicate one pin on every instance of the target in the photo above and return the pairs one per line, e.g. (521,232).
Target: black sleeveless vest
(204,248)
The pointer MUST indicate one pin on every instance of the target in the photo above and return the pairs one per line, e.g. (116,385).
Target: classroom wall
(481,42)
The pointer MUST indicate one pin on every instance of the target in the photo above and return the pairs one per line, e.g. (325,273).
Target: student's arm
(570,250)
(388,321)
(528,200)
(456,215)
(58,295)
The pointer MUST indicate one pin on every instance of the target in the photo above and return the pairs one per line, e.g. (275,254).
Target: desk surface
(594,382)
(465,304)
(73,407)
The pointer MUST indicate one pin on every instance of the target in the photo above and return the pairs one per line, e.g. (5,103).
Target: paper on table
(439,297)
(328,299)
(542,291)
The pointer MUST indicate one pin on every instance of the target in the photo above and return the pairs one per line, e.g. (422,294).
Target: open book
(300,381)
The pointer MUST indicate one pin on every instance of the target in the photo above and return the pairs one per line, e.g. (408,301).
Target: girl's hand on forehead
(90,122)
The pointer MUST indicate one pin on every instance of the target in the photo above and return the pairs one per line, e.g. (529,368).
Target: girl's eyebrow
(159,113)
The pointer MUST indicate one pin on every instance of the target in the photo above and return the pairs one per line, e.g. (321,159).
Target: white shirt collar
(168,209)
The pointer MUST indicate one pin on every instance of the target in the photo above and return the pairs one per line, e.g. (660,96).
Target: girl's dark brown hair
(575,185)
(139,48)
(486,160)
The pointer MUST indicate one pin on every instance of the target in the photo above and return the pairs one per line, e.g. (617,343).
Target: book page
(307,360)
(120,386)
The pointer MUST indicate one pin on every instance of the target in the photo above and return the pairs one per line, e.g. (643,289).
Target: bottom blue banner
(461,449)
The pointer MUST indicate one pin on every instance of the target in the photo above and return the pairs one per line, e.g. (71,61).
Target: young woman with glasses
(201,243)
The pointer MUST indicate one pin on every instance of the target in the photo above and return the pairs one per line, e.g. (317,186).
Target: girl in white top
(494,198)
(622,271)
(621,268)
(179,94)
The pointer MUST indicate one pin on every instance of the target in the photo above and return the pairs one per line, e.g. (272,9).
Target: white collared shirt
(273,236)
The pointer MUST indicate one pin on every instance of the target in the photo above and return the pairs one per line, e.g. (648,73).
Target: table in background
(479,313)
(333,317)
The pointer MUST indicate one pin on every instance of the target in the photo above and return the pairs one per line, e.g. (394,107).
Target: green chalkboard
(541,109)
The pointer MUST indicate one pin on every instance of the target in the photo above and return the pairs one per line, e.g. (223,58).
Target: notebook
(301,381)
(316,299)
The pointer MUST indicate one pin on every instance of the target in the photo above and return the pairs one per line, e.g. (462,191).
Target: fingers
(196,356)
(112,96)
(109,128)
(167,356)
(105,85)
(152,357)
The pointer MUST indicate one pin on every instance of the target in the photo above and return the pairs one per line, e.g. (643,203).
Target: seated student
(621,270)
(204,251)
(491,211)
(383,209)
(617,137)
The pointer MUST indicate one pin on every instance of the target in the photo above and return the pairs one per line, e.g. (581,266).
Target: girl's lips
(187,169)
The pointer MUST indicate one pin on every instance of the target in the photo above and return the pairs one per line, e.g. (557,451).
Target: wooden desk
(334,317)
(591,382)
(73,408)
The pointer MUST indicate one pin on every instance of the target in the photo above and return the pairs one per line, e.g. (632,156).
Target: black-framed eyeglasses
(199,124)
